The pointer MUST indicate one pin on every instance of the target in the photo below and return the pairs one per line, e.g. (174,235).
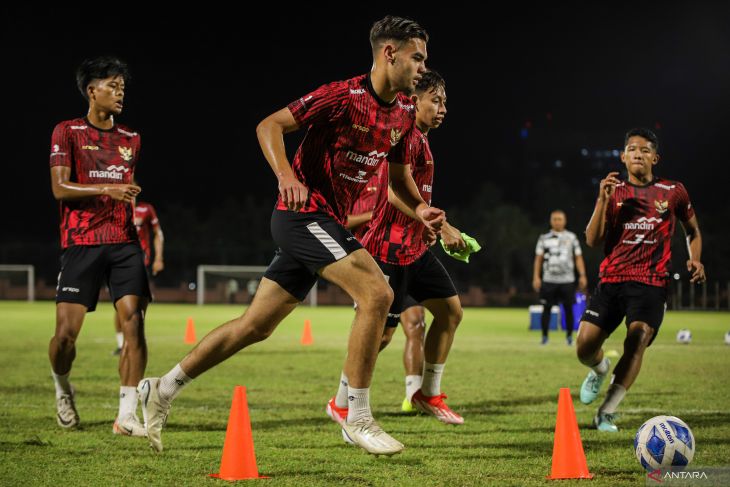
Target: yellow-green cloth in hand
(463,255)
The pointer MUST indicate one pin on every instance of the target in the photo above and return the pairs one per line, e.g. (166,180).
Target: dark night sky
(203,80)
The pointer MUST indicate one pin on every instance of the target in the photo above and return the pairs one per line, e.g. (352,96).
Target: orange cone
(569,460)
(239,459)
(307,333)
(190,333)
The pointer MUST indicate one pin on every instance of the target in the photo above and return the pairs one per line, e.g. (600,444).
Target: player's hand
(122,192)
(536,284)
(429,236)
(608,186)
(582,283)
(293,193)
(698,271)
(157,267)
(452,238)
(433,218)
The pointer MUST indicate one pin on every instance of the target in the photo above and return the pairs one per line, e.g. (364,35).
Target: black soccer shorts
(612,302)
(84,268)
(424,279)
(307,242)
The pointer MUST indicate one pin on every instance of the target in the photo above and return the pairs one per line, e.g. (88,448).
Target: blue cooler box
(579,308)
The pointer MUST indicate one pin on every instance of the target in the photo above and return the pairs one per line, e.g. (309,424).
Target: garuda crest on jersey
(661,206)
(126,153)
(394,136)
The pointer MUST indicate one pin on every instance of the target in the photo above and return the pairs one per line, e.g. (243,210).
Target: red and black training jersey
(366,201)
(393,237)
(350,132)
(95,156)
(640,222)
(145,219)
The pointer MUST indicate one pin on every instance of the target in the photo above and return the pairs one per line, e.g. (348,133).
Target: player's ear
(414,99)
(389,51)
(656,159)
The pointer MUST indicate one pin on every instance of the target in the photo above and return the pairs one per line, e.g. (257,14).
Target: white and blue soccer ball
(664,442)
(727,338)
(684,336)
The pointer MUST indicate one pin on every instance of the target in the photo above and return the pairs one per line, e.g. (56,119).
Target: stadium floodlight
(15,272)
(232,277)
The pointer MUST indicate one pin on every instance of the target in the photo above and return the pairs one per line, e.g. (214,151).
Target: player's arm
(270,132)
(404,188)
(354,221)
(159,242)
(694,246)
(596,229)
(66,190)
(536,272)
(581,266)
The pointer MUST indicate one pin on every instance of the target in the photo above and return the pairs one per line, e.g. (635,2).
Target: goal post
(9,274)
(232,277)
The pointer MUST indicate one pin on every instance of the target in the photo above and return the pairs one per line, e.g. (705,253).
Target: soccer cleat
(605,422)
(569,340)
(407,407)
(368,435)
(435,406)
(128,426)
(118,351)
(592,386)
(336,414)
(544,340)
(154,410)
(66,414)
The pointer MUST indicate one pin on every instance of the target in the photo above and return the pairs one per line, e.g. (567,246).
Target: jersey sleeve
(684,208)
(325,104)
(540,247)
(576,246)
(153,217)
(61,147)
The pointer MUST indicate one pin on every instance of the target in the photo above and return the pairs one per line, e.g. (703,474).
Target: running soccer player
(352,126)
(635,221)
(92,165)
(413,318)
(557,254)
(394,238)
(147,224)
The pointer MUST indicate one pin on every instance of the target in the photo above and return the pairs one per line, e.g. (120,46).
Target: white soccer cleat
(129,425)
(66,414)
(368,435)
(154,410)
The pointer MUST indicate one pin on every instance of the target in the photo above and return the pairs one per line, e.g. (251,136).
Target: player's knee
(379,298)
(65,340)
(639,336)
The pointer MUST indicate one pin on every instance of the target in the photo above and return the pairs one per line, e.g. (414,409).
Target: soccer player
(635,220)
(93,160)
(555,254)
(352,126)
(394,238)
(147,224)
(413,318)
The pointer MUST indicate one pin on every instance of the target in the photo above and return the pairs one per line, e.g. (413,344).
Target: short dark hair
(395,28)
(430,80)
(100,68)
(645,133)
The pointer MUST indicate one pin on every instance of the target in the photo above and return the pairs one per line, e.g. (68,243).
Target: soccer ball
(684,336)
(727,338)
(664,442)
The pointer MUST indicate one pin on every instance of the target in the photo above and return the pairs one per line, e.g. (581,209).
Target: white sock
(431,385)
(61,382)
(358,404)
(615,394)
(120,339)
(601,368)
(341,397)
(172,383)
(413,383)
(127,401)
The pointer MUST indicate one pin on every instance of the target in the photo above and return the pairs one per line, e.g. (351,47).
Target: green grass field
(497,377)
